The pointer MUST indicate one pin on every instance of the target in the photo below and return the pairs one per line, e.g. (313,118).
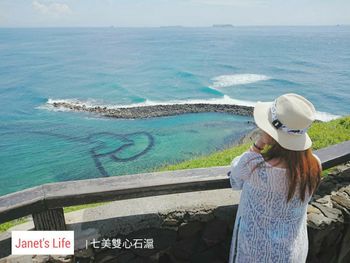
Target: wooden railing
(45,203)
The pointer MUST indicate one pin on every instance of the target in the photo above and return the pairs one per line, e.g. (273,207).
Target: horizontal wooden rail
(334,155)
(46,201)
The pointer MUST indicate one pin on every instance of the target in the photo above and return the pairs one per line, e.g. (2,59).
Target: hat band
(280,126)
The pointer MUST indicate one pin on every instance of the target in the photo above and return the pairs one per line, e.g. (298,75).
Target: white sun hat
(286,120)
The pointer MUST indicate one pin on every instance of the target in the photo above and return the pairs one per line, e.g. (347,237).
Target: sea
(148,66)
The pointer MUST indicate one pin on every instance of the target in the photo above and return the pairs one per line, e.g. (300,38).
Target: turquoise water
(116,66)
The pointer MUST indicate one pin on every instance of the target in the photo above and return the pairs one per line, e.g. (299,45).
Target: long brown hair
(303,168)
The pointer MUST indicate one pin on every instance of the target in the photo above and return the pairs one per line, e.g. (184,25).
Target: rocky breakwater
(151,111)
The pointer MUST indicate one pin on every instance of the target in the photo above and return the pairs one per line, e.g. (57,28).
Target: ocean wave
(212,91)
(49,105)
(325,116)
(306,63)
(227,66)
(284,82)
(237,79)
(185,74)
(92,103)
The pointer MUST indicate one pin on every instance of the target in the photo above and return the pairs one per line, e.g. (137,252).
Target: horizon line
(227,26)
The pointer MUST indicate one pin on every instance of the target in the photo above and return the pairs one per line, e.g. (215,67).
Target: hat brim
(263,119)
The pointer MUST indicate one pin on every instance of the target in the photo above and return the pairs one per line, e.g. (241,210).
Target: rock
(209,256)
(165,258)
(183,249)
(312,209)
(347,190)
(226,213)
(84,260)
(346,173)
(318,221)
(113,255)
(344,252)
(156,256)
(324,244)
(40,259)
(84,253)
(170,258)
(331,213)
(174,215)
(326,200)
(125,256)
(326,187)
(61,259)
(139,260)
(84,256)
(215,232)
(202,216)
(342,200)
(188,230)
(162,239)
(170,222)
(19,259)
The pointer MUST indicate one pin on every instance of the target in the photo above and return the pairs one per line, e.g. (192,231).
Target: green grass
(330,133)
(323,134)
(219,158)
(79,207)
(7,225)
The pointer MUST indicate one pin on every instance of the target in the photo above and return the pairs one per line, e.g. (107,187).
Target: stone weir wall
(205,235)
(141,112)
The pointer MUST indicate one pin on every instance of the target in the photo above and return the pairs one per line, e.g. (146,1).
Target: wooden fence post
(51,219)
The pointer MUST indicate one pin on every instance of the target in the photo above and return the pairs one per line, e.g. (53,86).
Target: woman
(278,176)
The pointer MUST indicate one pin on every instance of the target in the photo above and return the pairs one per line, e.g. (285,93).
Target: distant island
(223,25)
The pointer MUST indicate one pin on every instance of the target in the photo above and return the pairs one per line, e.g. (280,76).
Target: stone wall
(329,219)
(183,237)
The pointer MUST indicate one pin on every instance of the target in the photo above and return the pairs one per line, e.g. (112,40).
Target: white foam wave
(237,79)
(223,100)
(49,106)
(325,116)
(91,103)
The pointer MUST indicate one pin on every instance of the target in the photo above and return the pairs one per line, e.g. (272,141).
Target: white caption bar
(42,242)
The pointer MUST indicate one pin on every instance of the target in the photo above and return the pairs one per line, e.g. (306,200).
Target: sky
(153,13)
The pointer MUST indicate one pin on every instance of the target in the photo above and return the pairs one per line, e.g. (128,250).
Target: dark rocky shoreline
(142,112)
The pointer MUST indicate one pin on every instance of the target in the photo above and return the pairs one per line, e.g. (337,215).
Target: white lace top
(267,228)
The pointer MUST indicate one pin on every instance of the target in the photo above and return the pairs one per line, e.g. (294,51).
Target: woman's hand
(263,140)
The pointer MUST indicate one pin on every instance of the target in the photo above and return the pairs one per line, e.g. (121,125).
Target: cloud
(52,8)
